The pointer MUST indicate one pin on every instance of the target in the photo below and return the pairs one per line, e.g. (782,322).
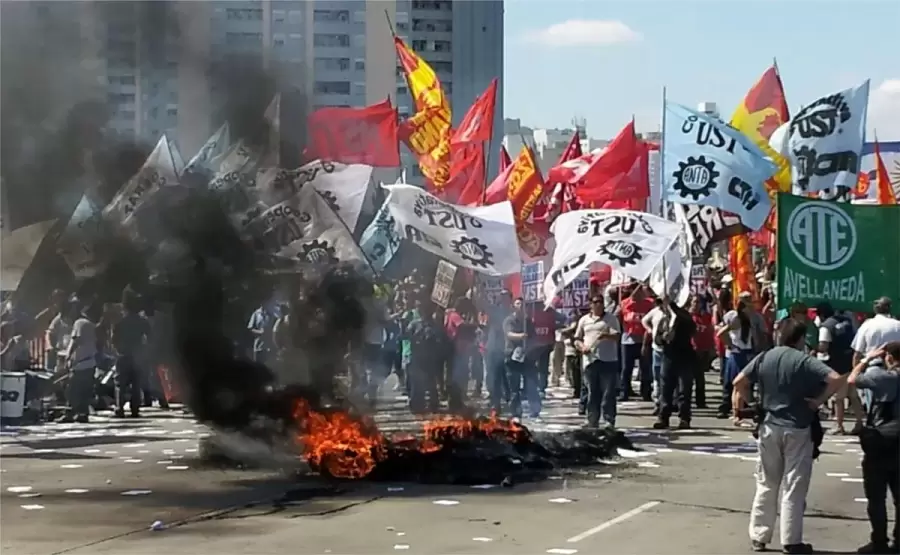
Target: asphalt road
(98,488)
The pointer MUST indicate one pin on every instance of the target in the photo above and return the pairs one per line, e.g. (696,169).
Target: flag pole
(390,23)
(663,204)
(485,159)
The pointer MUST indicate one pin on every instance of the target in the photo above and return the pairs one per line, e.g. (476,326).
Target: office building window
(442,67)
(278,40)
(448,87)
(442,46)
(153,112)
(126,114)
(359,41)
(243,39)
(402,27)
(331,40)
(440,5)
(331,16)
(278,16)
(172,112)
(295,17)
(359,16)
(402,90)
(443,26)
(359,89)
(332,64)
(120,79)
(332,87)
(233,14)
(419,45)
(402,17)
(120,98)
(359,64)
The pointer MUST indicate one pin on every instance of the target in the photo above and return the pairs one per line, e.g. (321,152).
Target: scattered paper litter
(480,539)
(664,450)
(446,502)
(484,486)
(390,528)
(163,462)
(401,547)
(143,451)
(630,454)
(177,456)
(76,490)
(603,476)
(133,461)
(89,451)
(29,495)
(401,533)
(558,551)
(32,507)
(168,451)
(860,499)
(647,464)
(110,452)
(561,500)
(191,450)
(71,465)
(137,492)
(395,489)
(177,467)
(837,474)
(853,480)
(19,489)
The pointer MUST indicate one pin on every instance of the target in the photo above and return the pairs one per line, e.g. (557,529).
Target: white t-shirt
(875,332)
(85,356)
(589,328)
(651,322)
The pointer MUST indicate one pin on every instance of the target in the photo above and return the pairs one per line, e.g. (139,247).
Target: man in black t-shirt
(677,372)
(835,350)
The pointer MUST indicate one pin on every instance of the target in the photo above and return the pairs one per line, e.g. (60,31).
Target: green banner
(846,254)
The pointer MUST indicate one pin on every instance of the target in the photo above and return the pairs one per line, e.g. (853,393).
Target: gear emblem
(625,253)
(473,250)
(318,252)
(331,200)
(696,177)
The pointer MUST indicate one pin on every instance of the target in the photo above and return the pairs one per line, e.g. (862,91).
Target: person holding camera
(879,373)
(792,386)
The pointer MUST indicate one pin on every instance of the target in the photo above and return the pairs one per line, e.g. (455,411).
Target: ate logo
(695,177)
(821,118)
(821,236)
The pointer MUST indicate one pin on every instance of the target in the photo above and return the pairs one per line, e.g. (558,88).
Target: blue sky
(606,60)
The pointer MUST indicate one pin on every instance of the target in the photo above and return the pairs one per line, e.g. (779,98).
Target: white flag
(157,172)
(631,242)
(481,238)
(676,280)
(80,240)
(824,141)
(209,157)
(19,248)
(304,228)
(343,186)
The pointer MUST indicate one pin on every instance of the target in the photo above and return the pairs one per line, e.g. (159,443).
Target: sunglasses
(596,301)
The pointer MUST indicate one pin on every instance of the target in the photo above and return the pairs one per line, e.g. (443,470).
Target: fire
(348,447)
(336,442)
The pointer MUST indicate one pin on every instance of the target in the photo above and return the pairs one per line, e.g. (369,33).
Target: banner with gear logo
(837,253)
(633,243)
(479,238)
(708,162)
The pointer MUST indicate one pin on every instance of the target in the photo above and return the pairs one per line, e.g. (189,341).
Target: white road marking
(612,522)
(853,480)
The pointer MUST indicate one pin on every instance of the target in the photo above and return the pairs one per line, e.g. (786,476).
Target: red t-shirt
(544,327)
(705,337)
(632,313)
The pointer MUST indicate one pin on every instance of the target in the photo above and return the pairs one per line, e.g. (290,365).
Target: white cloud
(584,32)
(884,111)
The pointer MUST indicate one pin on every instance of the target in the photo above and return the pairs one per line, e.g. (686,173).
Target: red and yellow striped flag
(427,133)
(763,110)
(884,191)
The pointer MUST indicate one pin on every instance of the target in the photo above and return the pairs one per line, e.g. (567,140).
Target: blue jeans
(523,382)
(656,367)
(601,378)
(631,353)
(735,361)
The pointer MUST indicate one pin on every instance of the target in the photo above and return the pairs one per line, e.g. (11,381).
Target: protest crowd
(527,284)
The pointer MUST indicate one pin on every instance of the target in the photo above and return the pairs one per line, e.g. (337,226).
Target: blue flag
(709,162)
(380,241)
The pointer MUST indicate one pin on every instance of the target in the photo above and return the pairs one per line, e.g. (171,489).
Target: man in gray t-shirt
(792,386)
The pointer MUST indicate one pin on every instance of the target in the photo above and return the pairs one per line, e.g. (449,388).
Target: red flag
(560,197)
(883,189)
(573,149)
(521,184)
(355,135)
(618,172)
(505,160)
(478,124)
(466,184)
